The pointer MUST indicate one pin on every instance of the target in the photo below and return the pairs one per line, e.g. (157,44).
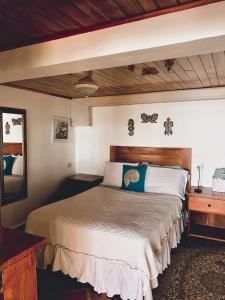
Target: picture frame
(60,129)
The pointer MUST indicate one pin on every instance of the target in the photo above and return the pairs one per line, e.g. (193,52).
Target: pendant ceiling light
(86,86)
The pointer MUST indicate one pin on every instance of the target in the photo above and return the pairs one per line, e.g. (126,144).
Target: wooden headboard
(12,148)
(154,155)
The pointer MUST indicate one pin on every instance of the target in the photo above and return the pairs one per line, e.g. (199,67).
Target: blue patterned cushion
(8,164)
(134,178)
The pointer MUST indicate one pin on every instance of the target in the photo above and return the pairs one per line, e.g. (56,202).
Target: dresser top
(207,192)
(15,243)
(85,177)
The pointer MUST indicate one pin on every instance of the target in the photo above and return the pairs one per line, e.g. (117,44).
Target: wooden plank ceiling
(199,71)
(25,22)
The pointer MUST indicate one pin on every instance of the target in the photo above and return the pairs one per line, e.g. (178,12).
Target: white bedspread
(117,241)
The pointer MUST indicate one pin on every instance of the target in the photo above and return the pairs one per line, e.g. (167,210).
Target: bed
(98,238)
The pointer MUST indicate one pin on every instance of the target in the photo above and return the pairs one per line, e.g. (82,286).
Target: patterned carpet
(197,272)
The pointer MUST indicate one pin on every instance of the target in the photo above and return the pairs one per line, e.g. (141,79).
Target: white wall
(199,125)
(47,161)
(16,131)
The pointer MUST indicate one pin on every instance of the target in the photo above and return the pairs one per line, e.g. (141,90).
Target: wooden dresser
(18,265)
(206,214)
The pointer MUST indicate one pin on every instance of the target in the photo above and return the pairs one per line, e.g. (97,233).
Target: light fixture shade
(86,86)
(86,89)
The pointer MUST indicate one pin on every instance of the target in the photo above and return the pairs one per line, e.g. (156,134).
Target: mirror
(14,158)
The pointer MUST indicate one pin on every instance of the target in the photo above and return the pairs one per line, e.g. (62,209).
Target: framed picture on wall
(61,129)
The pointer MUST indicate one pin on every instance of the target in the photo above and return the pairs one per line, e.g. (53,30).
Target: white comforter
(117,241)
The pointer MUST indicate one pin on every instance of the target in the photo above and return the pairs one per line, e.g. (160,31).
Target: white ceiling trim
(217,93)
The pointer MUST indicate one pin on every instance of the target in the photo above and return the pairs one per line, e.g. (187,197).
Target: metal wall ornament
(131,127)
(17,121)
(131,68)
(168,125)
(7,128)
(149,71)
(169,63)
(149,118)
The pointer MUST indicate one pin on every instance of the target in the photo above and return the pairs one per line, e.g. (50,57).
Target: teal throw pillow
(8,164)
(134,178)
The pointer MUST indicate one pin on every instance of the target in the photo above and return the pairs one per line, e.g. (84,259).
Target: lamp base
(198,190)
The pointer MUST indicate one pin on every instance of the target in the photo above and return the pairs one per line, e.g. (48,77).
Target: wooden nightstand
(77,184)
(206,213)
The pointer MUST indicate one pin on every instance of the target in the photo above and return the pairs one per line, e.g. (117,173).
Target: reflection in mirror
(14,155)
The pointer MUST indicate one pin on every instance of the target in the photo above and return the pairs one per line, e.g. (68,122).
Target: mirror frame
(24,124)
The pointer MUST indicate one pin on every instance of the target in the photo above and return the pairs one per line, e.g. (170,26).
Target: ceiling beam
(189,32)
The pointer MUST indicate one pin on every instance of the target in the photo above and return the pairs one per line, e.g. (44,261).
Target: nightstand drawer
(207,205)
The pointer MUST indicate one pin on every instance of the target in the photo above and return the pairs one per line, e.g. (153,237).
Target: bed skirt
(112,277)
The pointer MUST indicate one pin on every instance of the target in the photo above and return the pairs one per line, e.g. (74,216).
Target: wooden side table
(77,184)
(206,213)
(18,265)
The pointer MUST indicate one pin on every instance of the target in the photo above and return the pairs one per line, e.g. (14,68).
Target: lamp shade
(86,86)
(86,89)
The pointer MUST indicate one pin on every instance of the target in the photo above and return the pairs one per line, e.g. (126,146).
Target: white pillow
(113,173)
(166,181)
(17,168)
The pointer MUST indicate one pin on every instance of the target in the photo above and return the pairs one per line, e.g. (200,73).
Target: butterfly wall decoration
(17,121)
(149,118)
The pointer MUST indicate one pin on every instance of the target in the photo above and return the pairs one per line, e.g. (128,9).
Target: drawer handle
(209,205)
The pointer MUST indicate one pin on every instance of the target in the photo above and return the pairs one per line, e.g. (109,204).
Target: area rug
(197,272)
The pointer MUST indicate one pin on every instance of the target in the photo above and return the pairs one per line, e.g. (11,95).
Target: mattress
(117,241)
